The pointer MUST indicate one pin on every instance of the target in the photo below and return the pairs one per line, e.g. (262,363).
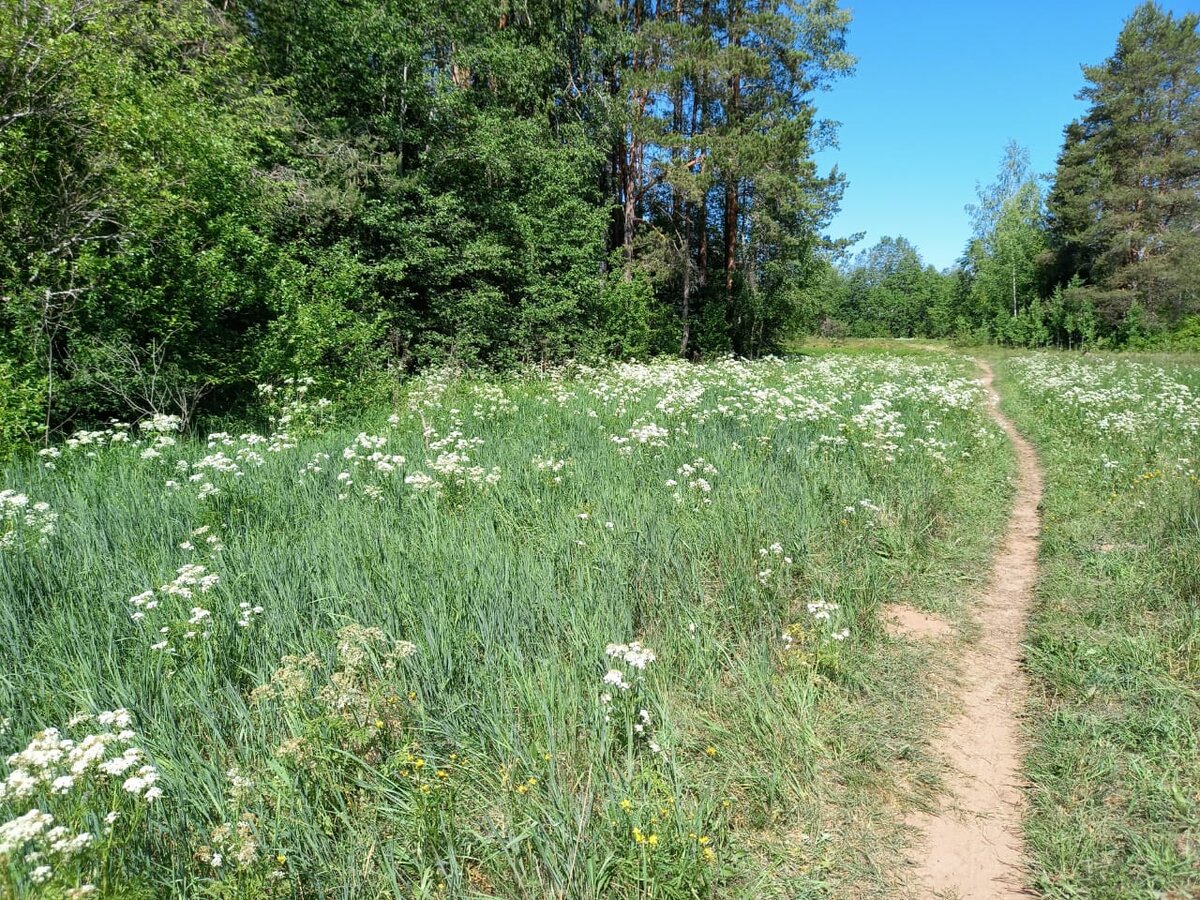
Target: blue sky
(940,88)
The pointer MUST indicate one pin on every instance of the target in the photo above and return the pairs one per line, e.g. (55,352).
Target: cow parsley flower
(616,678)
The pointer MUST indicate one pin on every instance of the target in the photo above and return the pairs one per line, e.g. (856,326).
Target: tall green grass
(486,763)
(1113,770)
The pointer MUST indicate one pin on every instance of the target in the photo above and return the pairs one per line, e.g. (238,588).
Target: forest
(198,196)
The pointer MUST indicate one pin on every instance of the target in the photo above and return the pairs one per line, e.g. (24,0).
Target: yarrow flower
(615,678)
(637,658)
(821,610)
(190,580)
(632,654)
(57,773)
(24,520)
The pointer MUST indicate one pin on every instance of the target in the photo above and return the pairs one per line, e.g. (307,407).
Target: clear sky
(940,88)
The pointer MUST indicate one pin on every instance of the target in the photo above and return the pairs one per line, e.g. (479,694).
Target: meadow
(594,632)
(586,632)
(1115,718)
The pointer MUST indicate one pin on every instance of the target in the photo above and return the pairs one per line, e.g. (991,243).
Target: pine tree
(1125,208)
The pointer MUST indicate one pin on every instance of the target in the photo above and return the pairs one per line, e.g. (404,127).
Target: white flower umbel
(24,521)
(63,782)
(172,611)
(627,709)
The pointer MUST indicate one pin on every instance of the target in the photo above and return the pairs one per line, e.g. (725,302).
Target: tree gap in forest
(1101,254)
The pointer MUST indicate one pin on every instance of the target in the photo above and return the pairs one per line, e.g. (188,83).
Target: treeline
(195,196)
(1108,256)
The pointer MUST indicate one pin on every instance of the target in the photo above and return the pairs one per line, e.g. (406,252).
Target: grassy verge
(1115,780)
(876,766)
(399,659)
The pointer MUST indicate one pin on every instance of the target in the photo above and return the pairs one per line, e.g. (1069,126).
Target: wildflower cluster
(22,521)
(182,619)
(453,468)
(665,838)
(1130,402)
(65,784)
(232,845)
(869,513)
(775,564)
(623,685)
(644,434)
(826,393)
(88,443)
(695,478)
(425,399)
(803,642)
(822,611)
(368,464)
(1144,416)
(203,538)
(490,402)
(552,467)
(233,851)
(293,413)
(161,430)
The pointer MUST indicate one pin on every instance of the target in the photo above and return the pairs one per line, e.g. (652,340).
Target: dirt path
(973,845)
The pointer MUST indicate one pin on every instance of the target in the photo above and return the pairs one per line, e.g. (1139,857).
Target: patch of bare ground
(971,846)
(903,621)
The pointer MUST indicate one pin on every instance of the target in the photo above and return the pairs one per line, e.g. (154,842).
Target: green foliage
(1107,258)
(1187,335)
(522,254)
(198,195)
(21,402)
(134,211)
(886,290)
(1124,208)
(626,304)
(1002,270)
(325,321)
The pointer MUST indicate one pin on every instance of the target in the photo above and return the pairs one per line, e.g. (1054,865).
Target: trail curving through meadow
(972,847)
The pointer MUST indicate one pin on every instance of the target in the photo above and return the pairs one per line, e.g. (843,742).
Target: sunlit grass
(1114,783)
(493,756)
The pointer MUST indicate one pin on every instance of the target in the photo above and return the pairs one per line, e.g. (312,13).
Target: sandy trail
(972,846)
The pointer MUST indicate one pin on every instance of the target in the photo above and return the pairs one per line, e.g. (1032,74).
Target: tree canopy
(201,194)
(1125,208)
(198,195)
